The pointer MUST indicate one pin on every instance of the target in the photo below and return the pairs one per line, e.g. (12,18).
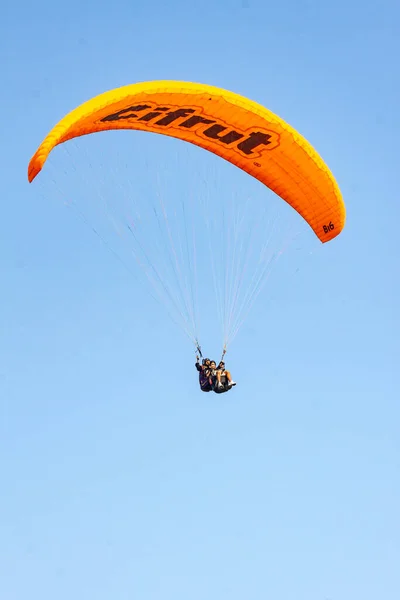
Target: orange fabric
(231,126)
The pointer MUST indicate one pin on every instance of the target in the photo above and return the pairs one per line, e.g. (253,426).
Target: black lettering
(126,113)
(153,114)
(228,138)
(215,131)
(257,138)
(194,121)
(329,227)
(174,115)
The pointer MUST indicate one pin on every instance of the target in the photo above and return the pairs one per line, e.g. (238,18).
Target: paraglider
(212,377)
(231,126)
(204,369)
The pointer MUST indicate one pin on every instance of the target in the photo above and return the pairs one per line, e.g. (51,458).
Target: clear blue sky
(119,479)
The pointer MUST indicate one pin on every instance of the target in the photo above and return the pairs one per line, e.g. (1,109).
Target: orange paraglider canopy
(231,126)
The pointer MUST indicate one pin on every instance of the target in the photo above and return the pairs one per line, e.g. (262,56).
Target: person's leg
(229,378)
